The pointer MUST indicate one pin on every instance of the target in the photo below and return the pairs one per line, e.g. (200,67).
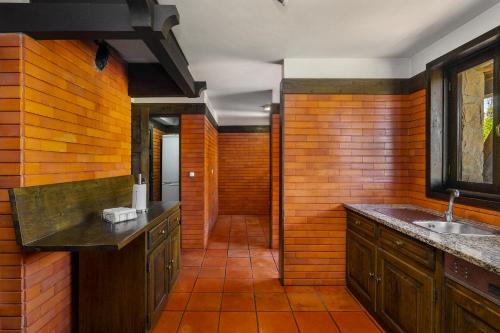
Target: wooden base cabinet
(387,273)
(469,312)
(163,265)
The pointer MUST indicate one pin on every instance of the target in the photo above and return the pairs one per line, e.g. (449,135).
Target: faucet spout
(448,214)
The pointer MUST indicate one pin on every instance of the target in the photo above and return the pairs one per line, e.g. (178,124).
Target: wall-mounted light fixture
(283,2)
(267,107)
(101,55)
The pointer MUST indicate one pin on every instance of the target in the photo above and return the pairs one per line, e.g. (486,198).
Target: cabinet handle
(378,280)
(356,222)
(399,243)
(162,232)
(172,261)
(371,275)
(498,130)
(169,267)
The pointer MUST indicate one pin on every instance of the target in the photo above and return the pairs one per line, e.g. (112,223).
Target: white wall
(482,23)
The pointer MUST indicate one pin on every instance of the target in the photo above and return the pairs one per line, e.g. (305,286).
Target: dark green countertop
(96,234)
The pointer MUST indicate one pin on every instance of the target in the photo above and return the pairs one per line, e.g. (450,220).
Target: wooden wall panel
(157,155)
(244,173)
(192,189)
(211,176)
(275,178)
(73,124)
(416,150)
(10,176)
(338,149)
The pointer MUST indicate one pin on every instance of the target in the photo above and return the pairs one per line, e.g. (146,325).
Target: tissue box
(119,214)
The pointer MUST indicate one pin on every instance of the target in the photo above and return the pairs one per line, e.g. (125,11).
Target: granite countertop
(483,251)
(96,234)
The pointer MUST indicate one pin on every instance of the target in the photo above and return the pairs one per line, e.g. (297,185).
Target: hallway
(233,287)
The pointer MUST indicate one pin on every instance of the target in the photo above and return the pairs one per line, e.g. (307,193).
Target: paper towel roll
(139,197)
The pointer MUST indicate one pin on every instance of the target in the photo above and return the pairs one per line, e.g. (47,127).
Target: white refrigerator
(170,168)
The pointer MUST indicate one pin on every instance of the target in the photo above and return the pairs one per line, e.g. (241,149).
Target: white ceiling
(237,45)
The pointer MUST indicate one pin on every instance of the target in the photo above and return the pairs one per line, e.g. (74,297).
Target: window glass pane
(475,103)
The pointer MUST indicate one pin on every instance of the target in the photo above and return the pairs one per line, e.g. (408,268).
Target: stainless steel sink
(453,228)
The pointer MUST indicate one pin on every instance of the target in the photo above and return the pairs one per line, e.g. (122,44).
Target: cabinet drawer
(403,246)
(360,224)
(157,234)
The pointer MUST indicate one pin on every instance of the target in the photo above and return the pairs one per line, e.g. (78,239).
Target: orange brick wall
(416,144)
(211,175)
(275,178)
(10,176)
(157,140)
(75,126)
(349,149)
(338,149)
(244,173)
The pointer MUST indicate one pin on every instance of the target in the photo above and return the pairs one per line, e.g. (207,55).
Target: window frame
(442,123)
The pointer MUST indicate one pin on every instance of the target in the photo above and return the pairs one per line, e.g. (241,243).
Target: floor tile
(238,322)
(212,272)
(204,302)
(276,322)
(238,254)
(238,262)
(339,299)
(315,322)
(214,262)
(216,253)
(239,273)
(300,289)
(177,301)
(354,322)
(208,285)
(184,285)
(199,322)
(238,302)
(168,322)
(268,285)
(238,285)
(305,302)
(272,302)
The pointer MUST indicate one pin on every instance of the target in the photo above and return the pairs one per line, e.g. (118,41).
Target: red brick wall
(211,175)
(416,144)
(157,155)
(192,189)
(10,176)
(75,125)
(349,149)
(275,178)
(338,149)
(244,173)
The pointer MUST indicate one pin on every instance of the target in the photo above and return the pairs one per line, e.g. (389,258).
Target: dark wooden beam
(134,19)
(243,129)
(151,80)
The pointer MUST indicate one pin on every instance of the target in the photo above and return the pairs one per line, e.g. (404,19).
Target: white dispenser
(139,196)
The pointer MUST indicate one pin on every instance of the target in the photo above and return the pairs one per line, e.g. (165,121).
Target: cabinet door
(468,312)
(405,296)
(158,281)
(175,254)
(360,275)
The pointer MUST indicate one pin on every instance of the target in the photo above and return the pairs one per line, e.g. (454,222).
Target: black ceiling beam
(133,19)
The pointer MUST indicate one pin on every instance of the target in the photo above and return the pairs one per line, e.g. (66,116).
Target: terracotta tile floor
(233,287)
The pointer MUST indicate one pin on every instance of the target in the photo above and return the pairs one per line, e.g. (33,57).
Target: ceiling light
(267,107)
(283,2)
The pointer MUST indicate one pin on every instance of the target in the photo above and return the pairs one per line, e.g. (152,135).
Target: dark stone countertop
(483,251)
(96,234)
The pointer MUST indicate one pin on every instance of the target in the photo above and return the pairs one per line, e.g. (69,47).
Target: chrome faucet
(448,215)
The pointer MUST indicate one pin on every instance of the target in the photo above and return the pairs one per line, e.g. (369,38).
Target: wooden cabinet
(405,295)
(361,268)
(469,312)
(393,276)
(158,280)
(163,264)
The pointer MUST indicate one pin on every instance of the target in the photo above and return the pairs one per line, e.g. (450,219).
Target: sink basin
(453,228)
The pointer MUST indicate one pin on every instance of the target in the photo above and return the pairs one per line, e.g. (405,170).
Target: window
(463,138)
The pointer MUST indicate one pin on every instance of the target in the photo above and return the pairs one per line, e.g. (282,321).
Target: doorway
(164,158)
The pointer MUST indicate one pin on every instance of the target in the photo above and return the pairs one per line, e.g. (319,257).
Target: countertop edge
(408,232)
